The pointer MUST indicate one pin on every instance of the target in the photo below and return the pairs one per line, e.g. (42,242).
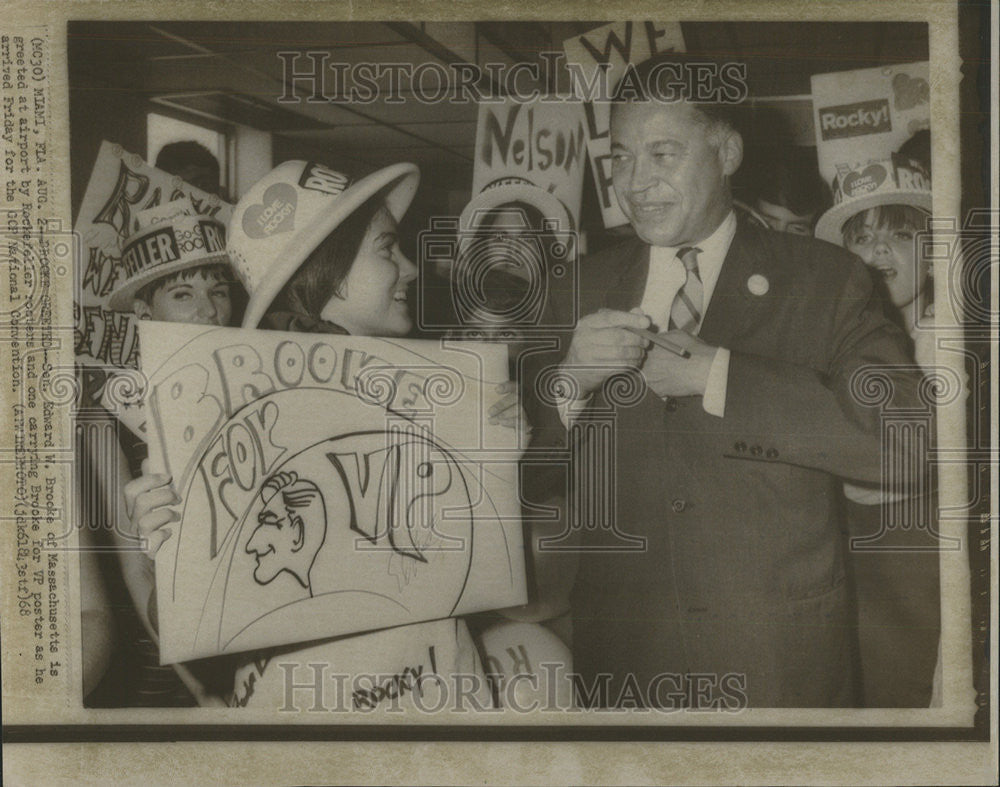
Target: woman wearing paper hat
(880,209)
(319,252)
(173,268)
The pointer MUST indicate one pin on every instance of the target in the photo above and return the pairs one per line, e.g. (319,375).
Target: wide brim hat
(890,181)
(290,211)
(171,238)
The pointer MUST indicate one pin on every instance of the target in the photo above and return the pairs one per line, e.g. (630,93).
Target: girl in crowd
(335,267)
(191,287)
(893,535)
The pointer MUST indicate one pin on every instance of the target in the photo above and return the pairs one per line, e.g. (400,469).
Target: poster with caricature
(329,485)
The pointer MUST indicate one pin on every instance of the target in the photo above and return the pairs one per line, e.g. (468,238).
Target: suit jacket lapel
(631,283)
(733,304)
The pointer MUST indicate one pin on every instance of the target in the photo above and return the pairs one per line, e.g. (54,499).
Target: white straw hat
(290,211)
(889,181)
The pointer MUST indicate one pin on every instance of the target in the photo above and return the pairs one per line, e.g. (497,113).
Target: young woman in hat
(320,253)
(188,279)
(894,542)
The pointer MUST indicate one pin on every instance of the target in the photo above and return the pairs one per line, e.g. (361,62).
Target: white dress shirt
(665,277)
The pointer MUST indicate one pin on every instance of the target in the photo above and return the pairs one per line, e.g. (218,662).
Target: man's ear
(731,152)
(141,309)
(298,531)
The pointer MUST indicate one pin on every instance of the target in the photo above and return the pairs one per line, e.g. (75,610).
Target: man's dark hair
(322,274)
(220,271)
(176,156)
(918,148)
(716,87)
(791,180)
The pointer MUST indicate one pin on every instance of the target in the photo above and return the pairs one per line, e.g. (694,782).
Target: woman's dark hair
(893,217)
(321,275)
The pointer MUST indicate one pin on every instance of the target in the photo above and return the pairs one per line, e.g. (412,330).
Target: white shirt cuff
(714,400)
(570,409)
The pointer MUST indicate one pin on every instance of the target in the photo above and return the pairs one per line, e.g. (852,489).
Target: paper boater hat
(169,238)
(890,181)
(290,211)
(514,189)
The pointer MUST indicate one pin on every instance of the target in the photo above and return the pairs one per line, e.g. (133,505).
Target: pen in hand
(659,341)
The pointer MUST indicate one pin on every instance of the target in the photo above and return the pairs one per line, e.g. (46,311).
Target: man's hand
(668,374)
(147,502)
(601,340)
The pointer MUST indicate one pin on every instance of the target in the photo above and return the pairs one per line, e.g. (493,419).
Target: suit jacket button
(771,453)
(741,447)
(678,505)
(756,450)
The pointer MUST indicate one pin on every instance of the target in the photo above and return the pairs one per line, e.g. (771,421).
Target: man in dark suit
(726,466)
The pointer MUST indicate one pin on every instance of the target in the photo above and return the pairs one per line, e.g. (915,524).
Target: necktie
(685,313)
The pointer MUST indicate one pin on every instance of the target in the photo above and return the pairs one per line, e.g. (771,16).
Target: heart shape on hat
(274,214)
(869,179)
(910,91)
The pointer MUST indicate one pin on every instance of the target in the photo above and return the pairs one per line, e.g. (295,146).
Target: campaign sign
(120,186)
(596,63)
(543,142)
(329,485)
(866,114)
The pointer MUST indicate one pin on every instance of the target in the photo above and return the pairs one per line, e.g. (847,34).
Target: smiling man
(727,466)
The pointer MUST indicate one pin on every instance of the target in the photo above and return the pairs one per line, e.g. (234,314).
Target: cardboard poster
(120,186)
(329,484)
(543,142)
(868,113)
(609,49)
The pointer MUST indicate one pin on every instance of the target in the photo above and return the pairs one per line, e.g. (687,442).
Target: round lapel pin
(758,284)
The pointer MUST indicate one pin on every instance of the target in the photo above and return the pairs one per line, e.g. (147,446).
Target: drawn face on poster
(290,529)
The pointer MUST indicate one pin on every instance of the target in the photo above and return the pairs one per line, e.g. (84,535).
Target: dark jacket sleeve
(855,418)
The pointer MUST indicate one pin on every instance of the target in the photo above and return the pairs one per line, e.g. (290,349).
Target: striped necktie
(685,313)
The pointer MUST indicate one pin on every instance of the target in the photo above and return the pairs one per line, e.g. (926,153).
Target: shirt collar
(713,251)
(713,248)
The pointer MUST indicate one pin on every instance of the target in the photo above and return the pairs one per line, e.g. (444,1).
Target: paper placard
(868,113)
(330,485)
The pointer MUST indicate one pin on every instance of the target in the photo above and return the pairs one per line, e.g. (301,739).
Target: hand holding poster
(329,485)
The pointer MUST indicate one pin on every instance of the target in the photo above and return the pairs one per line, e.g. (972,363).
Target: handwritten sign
(866,114)
(120,186)
(596,63)
(330,485)
(543,142)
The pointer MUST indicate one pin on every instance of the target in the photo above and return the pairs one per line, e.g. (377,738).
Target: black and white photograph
(501,382)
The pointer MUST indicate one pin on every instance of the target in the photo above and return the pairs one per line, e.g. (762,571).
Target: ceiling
(228,72)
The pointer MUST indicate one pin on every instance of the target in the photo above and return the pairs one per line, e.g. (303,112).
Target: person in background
(893,543)
(172,286)
(193,163)
(789,194)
